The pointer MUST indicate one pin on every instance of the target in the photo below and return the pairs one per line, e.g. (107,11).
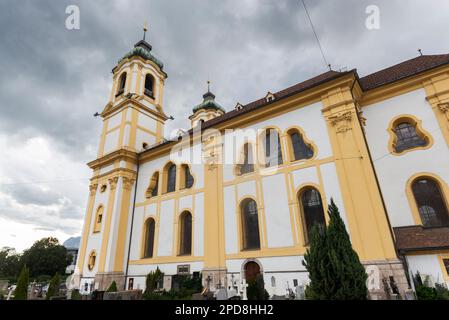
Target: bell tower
(133,120)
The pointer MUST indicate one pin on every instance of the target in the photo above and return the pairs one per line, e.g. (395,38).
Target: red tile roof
(403,70)
(397,72)
(415,238)
(297,88)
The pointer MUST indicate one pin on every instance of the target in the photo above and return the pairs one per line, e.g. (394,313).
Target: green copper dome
(208,103)
(143,49)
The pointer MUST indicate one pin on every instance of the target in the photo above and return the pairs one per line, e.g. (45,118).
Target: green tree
(335,270)
(75,295)
(53,288)
(112,287)
(256,289)
(9,263)
(154,280)
(21,292)
(424,291)
(46,257)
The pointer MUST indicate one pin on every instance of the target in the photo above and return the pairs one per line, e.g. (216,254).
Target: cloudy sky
(52,79)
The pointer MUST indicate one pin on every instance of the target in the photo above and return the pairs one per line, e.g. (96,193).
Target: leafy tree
(9,263)
(334,267)
(21,292)
(425,292)
(153,281)
(256,289)
(112,287)
(75,295)
(53,288)
(46,257)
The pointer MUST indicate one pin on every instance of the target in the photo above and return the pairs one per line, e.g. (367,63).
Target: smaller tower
(206,110)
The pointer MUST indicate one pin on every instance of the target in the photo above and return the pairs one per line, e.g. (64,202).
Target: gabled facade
(237,195)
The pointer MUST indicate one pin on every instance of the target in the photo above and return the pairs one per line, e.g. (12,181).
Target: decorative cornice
(133,99)
(341,120)
(444,107)
(121,154)
(113,182)
(117,172)
(93,188)
(128,182)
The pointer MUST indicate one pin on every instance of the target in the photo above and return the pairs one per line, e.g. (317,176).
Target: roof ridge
(403,70)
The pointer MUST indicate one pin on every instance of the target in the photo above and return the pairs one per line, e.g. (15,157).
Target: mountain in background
(72,243)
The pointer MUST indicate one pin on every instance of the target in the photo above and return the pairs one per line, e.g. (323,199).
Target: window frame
(92,254)
(97,224)
(262,144)
(153,187)
(121,85)
(181,233)
(243,158)
(417,124)
(145,238)
(444,269)
(184,177)
(306,141)
(305,232)
(442,185)
(441,199)
(166,174)
(244,245)
(147,92)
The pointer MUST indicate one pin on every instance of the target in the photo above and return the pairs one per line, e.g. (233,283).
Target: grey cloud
(31,194)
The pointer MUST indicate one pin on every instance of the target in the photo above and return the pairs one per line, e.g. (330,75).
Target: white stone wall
(284,270)
(427,265)
(394,171)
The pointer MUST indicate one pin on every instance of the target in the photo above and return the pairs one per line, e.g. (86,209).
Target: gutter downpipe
(132,223)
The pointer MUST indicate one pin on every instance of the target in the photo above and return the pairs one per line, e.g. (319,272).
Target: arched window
(152,189)
(185,244)
(430,202)
(149,238)
(98,218)
(91,261)
(312,210)
(187,178)
(250,225)
(248,160)
(149,86)
(407,136)
(301,150)
(122,83)
(171,178)
(272,148)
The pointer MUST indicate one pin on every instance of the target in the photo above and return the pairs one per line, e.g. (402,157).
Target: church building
(237,195)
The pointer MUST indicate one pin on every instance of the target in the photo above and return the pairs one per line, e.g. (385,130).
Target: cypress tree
(112,287)
(53,288)
(21,292)
(334,267)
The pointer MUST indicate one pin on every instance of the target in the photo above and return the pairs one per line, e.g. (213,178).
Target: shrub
(21,292)
(75,295)
(335,270)
(112,287)
(425,292)
(256,289)
(53,288)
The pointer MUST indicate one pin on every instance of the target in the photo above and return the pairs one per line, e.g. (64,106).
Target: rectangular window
(446,265)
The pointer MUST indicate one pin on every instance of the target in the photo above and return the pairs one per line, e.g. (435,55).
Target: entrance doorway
(252,270)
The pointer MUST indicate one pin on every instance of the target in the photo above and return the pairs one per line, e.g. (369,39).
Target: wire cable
(316,36)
